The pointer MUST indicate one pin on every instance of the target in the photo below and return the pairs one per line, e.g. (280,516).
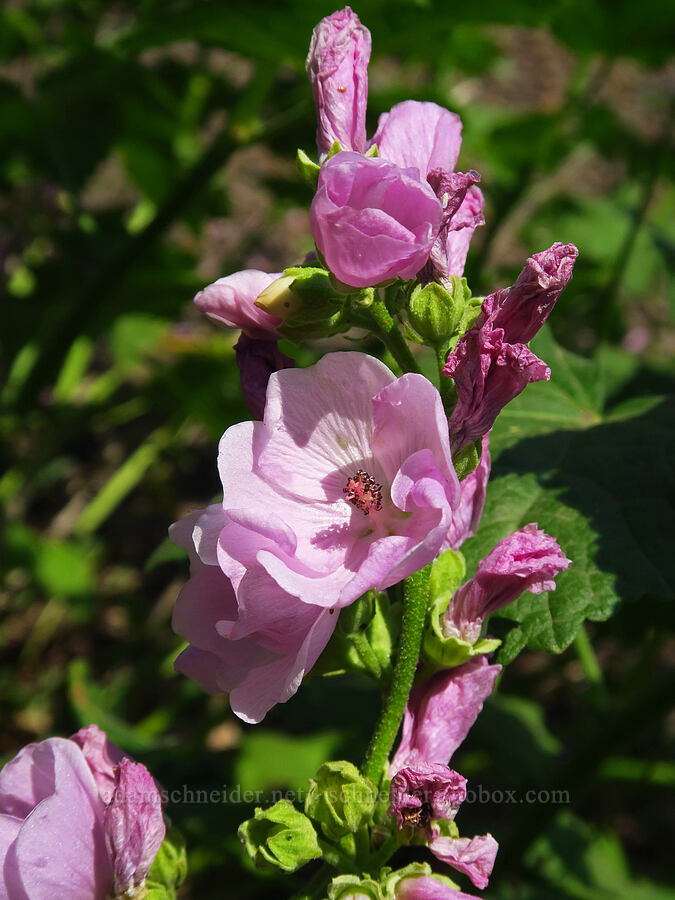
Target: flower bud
(435,312)
(340,799)
(279,837)
(351,887)
(134,826)
(278,299)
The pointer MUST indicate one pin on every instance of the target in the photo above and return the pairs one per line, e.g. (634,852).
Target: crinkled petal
(466,516)
(440,712)
(474,857)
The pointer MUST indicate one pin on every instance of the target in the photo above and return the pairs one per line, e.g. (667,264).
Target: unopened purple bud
(134,826)
(337,65)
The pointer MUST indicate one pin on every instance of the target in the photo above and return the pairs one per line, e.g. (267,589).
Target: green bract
(340,799)
(279,837)
(440,652)
(169,869)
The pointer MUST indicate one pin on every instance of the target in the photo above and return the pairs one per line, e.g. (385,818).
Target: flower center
(364,492)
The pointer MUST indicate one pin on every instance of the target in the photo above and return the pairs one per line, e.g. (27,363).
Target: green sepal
(371,152)
(364,638)
(340,799)
(392,880)
(308,168)
(435,312)
(466,461)
(280,837)
(169,869)
(334,148)
(321,309)
(439,651)
(348,887)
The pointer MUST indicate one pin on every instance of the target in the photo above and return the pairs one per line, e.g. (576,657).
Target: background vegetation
(146,149)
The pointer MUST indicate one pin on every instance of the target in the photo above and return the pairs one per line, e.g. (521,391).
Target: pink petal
(466,516)
(231,301)
(474,857)
(437,137)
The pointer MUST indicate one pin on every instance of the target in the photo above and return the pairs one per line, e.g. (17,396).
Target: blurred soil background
(148,148)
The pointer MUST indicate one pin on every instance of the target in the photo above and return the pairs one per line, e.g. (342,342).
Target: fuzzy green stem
(415,600)
(388,332)
(381,856)
(337,858)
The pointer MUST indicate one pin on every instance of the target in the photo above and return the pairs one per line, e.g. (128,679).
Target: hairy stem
(415,599)
(388,332)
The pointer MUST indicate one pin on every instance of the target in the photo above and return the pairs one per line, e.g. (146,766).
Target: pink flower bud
(337,65)
(373,221)
(231,301)
(134,826)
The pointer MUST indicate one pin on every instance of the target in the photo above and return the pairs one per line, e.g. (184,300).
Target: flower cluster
(346,501)
(78,819)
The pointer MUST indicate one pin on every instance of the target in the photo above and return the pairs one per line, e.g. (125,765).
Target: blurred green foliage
(148,148)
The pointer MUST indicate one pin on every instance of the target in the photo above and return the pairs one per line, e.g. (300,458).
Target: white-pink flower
(346,485)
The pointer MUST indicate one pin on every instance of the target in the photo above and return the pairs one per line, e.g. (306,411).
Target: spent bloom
(422,793)
(473,489)
(337,65)
(62,836)
(491,363)
(372,220)
(440,712)
(346,485)
(527,560)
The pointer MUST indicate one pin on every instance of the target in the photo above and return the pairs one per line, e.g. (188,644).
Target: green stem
(380,857)
(366,654)
(337,858)
(415,599)
(590,665)
(388,332)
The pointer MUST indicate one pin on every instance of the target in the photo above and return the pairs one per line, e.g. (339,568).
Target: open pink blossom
(372,220)
(337,65)
(527,560)
(53,832)
(258,654)
(440,712)
(424,792)
(491,363)
(473,489)
(231,300)
(475,856)
(345,486)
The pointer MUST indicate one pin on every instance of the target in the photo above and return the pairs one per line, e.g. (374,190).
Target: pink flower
(472,500)
(372,220)
(441,711)
(474,856)
(257,359)
(528,560)
(257,653)
(433,152)
(422,793)
(54,835)
(491,364)
(346,485)
(231,301)
(337,65)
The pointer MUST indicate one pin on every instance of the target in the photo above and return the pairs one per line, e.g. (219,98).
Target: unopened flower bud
(278,299)
(435,312)
(340,799)
(134,826)
(279,837)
